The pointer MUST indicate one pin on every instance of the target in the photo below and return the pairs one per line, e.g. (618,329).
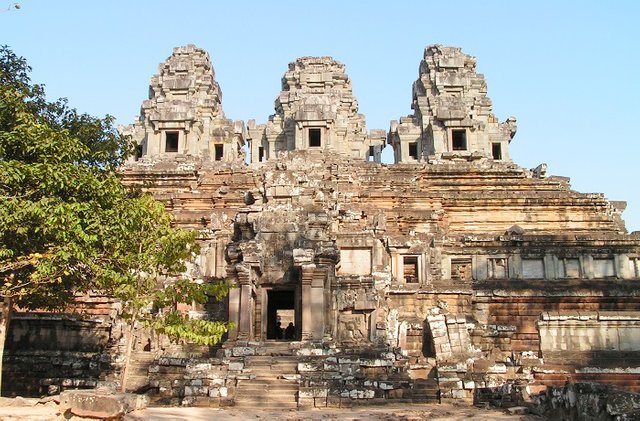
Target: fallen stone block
(101,403)
(518,410)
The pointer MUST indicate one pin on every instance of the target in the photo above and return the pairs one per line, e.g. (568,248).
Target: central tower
(316,110)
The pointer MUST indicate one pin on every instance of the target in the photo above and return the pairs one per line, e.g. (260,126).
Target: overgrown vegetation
(68,225)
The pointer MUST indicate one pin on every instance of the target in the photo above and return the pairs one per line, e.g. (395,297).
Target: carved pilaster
(246,307)
(306,274)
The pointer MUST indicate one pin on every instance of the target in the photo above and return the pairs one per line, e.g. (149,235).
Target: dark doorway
(315,138)
(496,151)
(219,150)
(171,142)
(281,309)
(459,141)
(413,150)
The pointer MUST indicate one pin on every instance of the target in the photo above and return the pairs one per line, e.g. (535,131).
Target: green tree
(67,224)
(141,263)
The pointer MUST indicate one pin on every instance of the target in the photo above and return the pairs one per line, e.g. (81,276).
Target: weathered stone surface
(451,272)
(100,404)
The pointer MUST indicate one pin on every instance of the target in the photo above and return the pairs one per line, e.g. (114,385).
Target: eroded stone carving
(456,265)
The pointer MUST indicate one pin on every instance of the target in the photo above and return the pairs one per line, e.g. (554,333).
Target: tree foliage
(68,225)
(55,180)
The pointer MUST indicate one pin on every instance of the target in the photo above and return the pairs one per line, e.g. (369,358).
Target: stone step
(274,399)
(267,406)
(274,362)
(270,392)
(267,400)
(268,374)
(269,388)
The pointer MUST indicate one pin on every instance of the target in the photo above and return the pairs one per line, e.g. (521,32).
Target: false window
(496,151)
(413,150)
(497,268)
(219,150)
(459,140)
(603,268)
(315,138)
(569,268)
(171,142)
(533,268)
(355,261)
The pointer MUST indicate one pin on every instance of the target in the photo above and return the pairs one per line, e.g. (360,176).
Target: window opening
(315,138)
(413,150)
(461,269)
(171,142)
(260,154)
(496,151)
(459,140)
(410,269)
(219,149)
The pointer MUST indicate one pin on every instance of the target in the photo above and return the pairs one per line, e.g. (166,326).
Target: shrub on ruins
(67,224)
(143,267)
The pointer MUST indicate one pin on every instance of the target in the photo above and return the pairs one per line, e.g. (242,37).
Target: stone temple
(451,274)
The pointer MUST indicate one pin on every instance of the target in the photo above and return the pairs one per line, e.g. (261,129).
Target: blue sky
(568,70)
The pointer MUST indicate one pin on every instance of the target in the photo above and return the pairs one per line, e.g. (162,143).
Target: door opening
(281,316)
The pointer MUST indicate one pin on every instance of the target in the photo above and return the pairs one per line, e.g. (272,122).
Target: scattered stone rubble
(451,275)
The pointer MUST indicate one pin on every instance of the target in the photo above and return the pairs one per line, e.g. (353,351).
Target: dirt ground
(28,410)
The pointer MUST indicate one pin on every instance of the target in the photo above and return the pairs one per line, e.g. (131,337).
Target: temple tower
(453,115)
(316,110)
(183,115)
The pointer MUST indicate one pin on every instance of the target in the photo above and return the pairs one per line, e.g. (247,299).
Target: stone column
(307,272)
(234,310)
(317,304)
(234,301)
(246,304)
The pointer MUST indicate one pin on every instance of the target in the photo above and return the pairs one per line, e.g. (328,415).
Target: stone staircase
(425,391)
(275,385)
(289,375)
(138,375)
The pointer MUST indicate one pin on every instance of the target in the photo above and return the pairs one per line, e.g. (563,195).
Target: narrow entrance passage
(281,317)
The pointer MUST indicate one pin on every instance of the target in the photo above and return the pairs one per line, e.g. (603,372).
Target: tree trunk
(129,349)
(5,318)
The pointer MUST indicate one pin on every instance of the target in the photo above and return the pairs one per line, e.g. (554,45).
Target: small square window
(461,269)
(410,269)
(413,150)
(496,151)
(459,140)
(315,138)
(372,153)
(219,150)
(171,142)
